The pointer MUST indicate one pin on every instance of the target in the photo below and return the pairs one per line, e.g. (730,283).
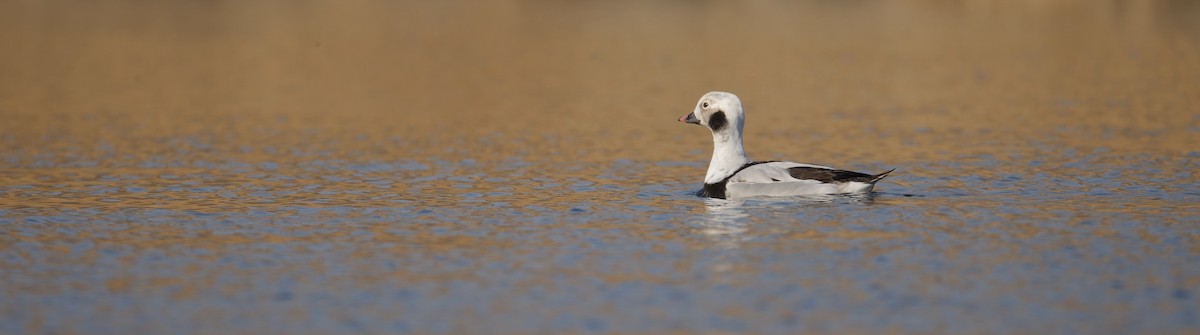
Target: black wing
(833,175)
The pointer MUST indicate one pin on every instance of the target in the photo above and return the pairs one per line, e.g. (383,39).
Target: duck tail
(877,177)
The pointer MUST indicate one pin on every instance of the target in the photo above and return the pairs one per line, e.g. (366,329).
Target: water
(516,167)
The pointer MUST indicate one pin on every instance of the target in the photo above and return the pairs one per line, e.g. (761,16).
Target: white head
(721,112)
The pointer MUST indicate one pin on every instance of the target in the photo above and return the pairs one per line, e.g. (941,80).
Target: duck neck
(728,156)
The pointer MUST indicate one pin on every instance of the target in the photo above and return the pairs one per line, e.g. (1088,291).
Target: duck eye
(705,105)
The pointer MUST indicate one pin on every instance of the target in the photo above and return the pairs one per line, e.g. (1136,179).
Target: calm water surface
(516,167)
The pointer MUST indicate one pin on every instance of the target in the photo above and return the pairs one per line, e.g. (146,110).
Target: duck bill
(689,118)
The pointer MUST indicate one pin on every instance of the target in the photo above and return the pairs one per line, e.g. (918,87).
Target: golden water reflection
(400,167)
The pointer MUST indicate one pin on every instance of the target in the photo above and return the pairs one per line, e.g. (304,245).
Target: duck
(731,174)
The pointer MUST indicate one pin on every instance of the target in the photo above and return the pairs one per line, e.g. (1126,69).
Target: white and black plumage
(732,175)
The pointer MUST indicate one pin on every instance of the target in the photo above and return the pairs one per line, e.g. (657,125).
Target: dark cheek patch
(717,121)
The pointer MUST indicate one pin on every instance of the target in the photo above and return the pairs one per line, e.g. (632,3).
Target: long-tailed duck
(732,175)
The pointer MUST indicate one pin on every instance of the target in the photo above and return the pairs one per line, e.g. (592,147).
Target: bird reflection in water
(727,222)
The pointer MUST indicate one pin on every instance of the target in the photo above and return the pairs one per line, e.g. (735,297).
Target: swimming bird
(733,175)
